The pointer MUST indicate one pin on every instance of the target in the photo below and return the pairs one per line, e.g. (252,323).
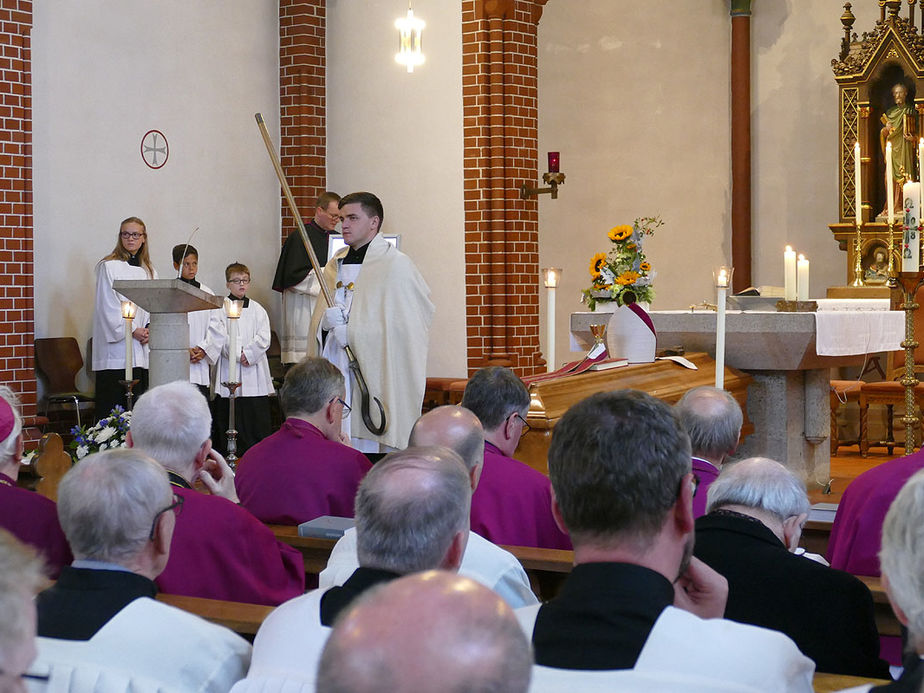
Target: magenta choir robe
(706,472)
(33,519)
(857,532)
(297,474)
(221,551)
(513,504)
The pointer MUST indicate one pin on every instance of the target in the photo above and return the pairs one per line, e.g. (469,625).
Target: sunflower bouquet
(623,274)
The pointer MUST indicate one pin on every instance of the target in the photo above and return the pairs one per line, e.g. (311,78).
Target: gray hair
(9,446)
(457,637)
(107,503)
(712,418)
(309,385)
(493,393)
(616,462)
(902,554)
(762,484)
(21,576)
(409,507)
(170,423)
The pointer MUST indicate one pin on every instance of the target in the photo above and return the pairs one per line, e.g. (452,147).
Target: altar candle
(911,241)
(128,312)
(858,209)
(920,158)
(789,274)
(233,311)
(890,186)
(803,291)
(721,291)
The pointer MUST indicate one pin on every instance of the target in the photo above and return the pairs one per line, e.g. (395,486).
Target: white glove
(333,317)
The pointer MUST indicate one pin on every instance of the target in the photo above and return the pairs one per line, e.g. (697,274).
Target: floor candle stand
(910,282)
(231,457)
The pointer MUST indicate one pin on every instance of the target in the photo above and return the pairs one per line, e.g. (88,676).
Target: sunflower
(620,233)
(597,262)
(627,277)
(645,266)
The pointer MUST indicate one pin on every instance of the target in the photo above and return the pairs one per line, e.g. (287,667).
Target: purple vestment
(513,504)
(706,472)
(857,532)
(221,551)
(33,519)
(297,474)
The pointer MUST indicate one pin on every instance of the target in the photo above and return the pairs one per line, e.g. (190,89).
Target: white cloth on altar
(847,332)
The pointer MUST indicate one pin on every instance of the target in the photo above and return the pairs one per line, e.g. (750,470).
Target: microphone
(179,272)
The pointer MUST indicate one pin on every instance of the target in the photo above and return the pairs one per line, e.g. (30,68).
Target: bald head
(412,511)
(712,418)
(454,635)
(453,427)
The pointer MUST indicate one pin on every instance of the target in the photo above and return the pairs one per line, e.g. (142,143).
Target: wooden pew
(315,552)
(886,621)
(823,683)
(244,619)
(815,536)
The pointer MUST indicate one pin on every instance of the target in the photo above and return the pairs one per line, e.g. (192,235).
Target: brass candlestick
(129,395)
(893,279)
(857,259)
(910,283)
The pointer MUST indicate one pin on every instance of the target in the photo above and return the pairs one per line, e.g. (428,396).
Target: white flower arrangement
(106,434)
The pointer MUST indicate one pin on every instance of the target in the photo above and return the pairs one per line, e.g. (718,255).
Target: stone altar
(788,398)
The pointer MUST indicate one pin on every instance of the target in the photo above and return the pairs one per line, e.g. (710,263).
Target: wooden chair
(842,392)
(50,465)
(58,360)
(891,392)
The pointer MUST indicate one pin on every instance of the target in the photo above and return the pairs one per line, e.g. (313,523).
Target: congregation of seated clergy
(683,570)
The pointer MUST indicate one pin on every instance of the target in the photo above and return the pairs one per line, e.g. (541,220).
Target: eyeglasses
(176,506)
(346,407)
(130,235)
(27,676)
(693,480)
(526,427)
(239,282)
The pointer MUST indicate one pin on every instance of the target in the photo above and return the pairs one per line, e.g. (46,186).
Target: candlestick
(722,276)
(890,185)
(803,280)
(789,274)
(911,240)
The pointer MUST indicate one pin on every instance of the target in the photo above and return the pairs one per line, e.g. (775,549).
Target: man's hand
(244,361)
(141,334)
(218,477)
(196,354)
(701,591)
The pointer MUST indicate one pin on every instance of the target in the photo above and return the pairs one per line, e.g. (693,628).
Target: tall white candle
(550,328)
(803,282)
(789,274)
(858,205)
(721,291)
(890,185)
(129,365)
(920,158)
(911,240)
(233,351)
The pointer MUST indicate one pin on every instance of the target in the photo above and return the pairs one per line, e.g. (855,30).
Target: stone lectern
(168,301)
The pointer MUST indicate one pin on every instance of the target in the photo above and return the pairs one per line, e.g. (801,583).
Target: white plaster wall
(104,73)
(637,98)
(399,135)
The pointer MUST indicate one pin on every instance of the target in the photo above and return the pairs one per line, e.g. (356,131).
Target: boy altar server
(252,416)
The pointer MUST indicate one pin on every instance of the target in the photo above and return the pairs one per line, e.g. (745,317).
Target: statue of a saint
(898,128)
(878,270)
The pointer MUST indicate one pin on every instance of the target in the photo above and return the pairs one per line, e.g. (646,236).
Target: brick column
(17,321)
(499,90)
(302,107)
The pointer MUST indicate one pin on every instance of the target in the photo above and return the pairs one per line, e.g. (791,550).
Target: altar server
(206,332)
(252,419)
(382,311)
(128,260)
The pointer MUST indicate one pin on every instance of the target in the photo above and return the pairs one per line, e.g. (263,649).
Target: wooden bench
(244,619)
(886,621)
(823,683)
(315,552)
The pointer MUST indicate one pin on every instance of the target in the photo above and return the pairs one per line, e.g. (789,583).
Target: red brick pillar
(302,107)
(17,319)
(499,95)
